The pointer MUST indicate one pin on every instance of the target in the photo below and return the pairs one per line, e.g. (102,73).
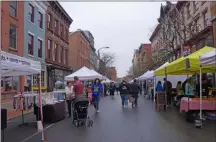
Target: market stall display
(53,106)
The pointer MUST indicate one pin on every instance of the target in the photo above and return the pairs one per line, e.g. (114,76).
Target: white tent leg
(154,79)
(41,108)
(200,92)
(32,83)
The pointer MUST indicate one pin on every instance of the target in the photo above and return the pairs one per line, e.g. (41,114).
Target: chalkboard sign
(161,99)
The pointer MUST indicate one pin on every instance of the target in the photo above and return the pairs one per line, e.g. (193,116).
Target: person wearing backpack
(167,87)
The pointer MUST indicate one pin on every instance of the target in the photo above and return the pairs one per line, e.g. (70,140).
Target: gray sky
(122,26)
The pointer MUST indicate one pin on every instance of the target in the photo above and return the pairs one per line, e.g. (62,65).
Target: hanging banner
(15,60)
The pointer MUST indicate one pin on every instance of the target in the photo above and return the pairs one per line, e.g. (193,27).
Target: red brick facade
(57,43)
(111,73)
(18,22)
(79,50)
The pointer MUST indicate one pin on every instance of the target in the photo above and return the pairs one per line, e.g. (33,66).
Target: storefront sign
(6,58)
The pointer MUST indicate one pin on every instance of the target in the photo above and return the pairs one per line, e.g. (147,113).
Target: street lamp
(101,49)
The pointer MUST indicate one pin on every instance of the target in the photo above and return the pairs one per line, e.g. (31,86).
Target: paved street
(114,124)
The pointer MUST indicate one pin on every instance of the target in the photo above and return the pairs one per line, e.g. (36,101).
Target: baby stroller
(80,112)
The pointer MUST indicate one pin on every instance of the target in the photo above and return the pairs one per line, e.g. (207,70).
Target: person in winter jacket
(124,91)
(134,90)
(97,89)
(112,89)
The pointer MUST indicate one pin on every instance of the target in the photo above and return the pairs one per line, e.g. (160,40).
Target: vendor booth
(13,65)
(84,74)
(193,102)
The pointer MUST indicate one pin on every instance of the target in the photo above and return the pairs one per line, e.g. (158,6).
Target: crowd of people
(94,90)
(189,88)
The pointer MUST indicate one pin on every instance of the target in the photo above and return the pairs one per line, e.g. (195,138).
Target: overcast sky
(122,26)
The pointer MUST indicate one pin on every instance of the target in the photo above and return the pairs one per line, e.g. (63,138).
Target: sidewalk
(12,113)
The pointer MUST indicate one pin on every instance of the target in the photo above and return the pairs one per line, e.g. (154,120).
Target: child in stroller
(80,112)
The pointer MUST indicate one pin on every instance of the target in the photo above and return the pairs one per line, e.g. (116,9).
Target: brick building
(145,58)
(57,43)
(111,73)
(135,63)
(79,50)
(12,27)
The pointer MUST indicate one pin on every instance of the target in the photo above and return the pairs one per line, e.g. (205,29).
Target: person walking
(135,89)
(158,89)
(89,92)
(96,91)
(79,88)
(112,89)
(69,96)
(167,87)
(124,92)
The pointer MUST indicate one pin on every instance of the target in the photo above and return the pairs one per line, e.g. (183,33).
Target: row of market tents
(202,60)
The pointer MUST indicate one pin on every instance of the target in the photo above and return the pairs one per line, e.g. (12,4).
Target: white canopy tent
(13,65)
(84,74)
(101,76)
(106,80)
(208,58)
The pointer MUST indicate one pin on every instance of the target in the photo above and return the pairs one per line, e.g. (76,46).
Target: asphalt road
(115,124)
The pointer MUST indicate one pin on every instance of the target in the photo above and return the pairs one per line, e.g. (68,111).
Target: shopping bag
(40,126)
(131,99)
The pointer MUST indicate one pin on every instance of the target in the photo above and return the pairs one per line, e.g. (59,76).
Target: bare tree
(175,32)
(130,71)
(106,60)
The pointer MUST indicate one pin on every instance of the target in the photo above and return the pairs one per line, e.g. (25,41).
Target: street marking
(6,102)
(28,138)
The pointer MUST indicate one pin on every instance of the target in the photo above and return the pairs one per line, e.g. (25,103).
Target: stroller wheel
(80,123)
(90,123)
(76,123)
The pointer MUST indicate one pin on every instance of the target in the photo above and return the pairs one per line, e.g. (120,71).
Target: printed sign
(161,99)
(6,58)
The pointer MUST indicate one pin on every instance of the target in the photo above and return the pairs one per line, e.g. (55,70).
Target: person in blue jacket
(158,89)
(97,89)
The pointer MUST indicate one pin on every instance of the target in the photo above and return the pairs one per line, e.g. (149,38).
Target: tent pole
(32,83)
(154,79)
(200,92)
(41,109)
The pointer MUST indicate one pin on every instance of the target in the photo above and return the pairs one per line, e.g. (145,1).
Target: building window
(196,25)
(62,55)
(62,31)
(43,78)
(56,52)
(31,13)
(49,21)
(188,10)
(13,8)
(196,5)
(12,37)
(66,34)
(35,80)
(40,46)
(30,44)
(49,46)
(40,20)
(205,17)
(66,56)
(56,26)
(9,84)
(209,41)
